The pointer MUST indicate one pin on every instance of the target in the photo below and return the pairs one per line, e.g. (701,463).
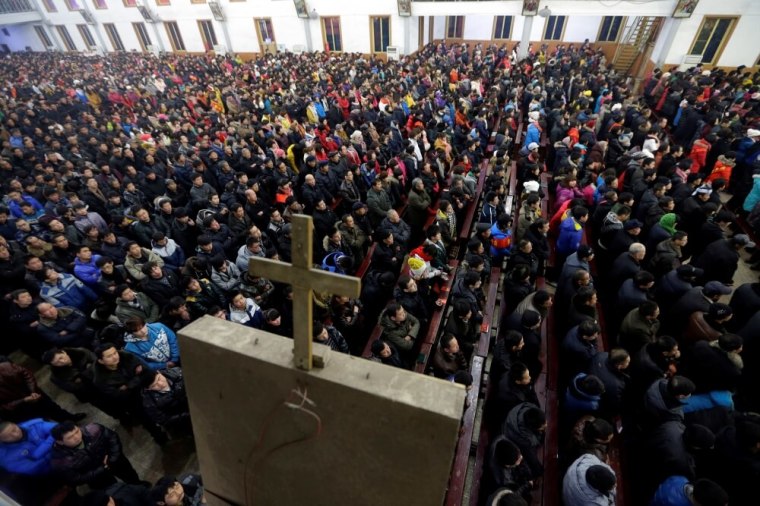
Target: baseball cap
(532,146)
(716,288)
(753,132)
(743,240)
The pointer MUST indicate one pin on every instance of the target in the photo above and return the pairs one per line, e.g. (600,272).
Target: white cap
(532,146)
(752,132)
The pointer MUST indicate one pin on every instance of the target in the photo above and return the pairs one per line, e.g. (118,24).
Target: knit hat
(417,266)
(631,224)
(601,478)
(720,311)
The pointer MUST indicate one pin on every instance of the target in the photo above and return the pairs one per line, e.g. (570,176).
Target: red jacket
(699,155)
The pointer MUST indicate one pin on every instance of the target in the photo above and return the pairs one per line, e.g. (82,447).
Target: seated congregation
(132,207)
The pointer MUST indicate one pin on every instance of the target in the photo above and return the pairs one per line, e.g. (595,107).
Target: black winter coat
(78,466)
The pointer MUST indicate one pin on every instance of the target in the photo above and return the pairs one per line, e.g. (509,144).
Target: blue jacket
(754,194)
(570,235)
(160,347)
(15,208)
(671,493)
(532,135)
(579,403)
(31,455)
(88,273)
(68,291)
(709,400)
(500,237)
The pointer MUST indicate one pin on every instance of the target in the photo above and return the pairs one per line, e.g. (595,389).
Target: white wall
(583,23)
(22,36)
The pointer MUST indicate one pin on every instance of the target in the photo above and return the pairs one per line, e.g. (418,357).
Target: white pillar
(307,32)
(157,35)
(525,39)
(226,33)
(407,36)
(667,36)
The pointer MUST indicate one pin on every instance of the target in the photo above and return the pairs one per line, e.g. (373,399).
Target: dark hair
(680,385)
(534,418)
(709,493)
(48,356)
(512,338)
(134,323)
(597,429)
(516,372)
(446,340)
(316,328)
(161,488)
(730,342)
(618,356)
(147,377)
(648,308)
(541,297)
(470,278)
(591,385)
(588,328)
(643,278)
(505,452)
(377,346)
(102,348)
(601,478)
(62,429)
(96,498)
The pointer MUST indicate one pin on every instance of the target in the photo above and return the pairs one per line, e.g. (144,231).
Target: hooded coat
(575,489)
(526,439)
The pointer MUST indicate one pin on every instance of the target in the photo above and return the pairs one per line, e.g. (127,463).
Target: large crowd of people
(136,188)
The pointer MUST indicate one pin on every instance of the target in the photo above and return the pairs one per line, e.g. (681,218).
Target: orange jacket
(722,170)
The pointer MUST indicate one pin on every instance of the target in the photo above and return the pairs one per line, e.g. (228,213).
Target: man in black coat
(715,365)
(90,455)
(611,368)
(721,258)
(696,299)
(745,302)
(678,449)
(625,266)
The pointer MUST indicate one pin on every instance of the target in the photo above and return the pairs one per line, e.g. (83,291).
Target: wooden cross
(304,279)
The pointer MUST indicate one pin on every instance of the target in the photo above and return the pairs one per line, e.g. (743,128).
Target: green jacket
(395,332)
(149,311)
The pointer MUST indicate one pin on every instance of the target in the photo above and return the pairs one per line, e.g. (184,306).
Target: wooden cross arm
(314,279)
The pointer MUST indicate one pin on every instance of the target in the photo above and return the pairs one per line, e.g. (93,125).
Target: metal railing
(14,6)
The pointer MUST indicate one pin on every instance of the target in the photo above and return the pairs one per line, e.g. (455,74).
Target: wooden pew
(616,452)
(484,342)
(364,266)
(436,320)
(455,492)
(466,229)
